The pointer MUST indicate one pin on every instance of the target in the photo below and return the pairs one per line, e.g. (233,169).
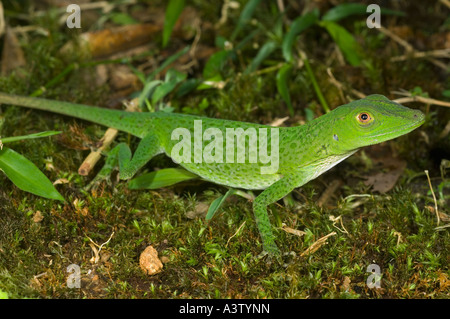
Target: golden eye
(364,117)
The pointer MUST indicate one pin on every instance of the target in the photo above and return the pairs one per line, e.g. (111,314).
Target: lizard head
(373,120)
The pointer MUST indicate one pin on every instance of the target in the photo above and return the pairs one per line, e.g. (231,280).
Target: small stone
(150,262)
(38,217)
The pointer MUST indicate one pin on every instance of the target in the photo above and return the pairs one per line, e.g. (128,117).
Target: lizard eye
(364,118)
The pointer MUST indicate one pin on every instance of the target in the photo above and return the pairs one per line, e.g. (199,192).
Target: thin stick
(317,244)
(434,198)
(422,99)
(93,157)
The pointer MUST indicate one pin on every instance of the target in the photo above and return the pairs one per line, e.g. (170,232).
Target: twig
(338,219)
(446,3)
(410,50)
(396,38)
(434,198)
(97,252)
(417,98)
(317,244)
(442,53)
(93,157)
(341,87)
(237,231)
(109,136)
(2,20)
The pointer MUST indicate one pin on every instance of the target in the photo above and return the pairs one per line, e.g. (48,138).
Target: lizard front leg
(270,195)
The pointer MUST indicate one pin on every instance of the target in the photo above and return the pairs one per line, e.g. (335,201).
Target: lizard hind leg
(128,165)
(148,147)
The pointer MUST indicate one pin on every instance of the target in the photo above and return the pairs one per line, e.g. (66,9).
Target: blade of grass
(26,176)
(173,11)
(298,26)
(282,85)
(245,16)
(348,9)
(162,178)
(30,136)
(319,94)
(345,41)
(215,205)
(262,54)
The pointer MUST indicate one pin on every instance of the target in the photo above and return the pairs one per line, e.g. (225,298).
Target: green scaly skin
(305,151)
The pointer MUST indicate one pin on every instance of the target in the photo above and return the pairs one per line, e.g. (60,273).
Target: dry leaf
(317,244)
(103,43)
(12,56)
(383,182)
(293,231)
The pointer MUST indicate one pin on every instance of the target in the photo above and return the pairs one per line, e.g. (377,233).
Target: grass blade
(282,85)
(298,26)
(26,176)
(245,16)
(262,54)
(162,178)
(215,205)
(173,11)
(345,41)
(30,136)
(348,9)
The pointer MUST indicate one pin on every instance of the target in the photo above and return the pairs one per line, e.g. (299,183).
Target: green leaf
(187,86)
(162,178)
(173,77)
(282,85)
(30,136)
(173,11)
(348,9)
(215,64)
(345,41)
(26,176)
(262,54)
(147,91)
(245,16)
(122,18)
(167,62)
(215,205)
(298,26)
(344,10)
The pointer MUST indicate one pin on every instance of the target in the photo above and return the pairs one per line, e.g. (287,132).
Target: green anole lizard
(297,154)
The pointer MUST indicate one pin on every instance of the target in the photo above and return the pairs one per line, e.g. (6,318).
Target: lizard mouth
(403,129)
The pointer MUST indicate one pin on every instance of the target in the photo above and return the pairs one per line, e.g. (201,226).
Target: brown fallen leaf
(103,43)
(293,231)
(383,182)
(12,55)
